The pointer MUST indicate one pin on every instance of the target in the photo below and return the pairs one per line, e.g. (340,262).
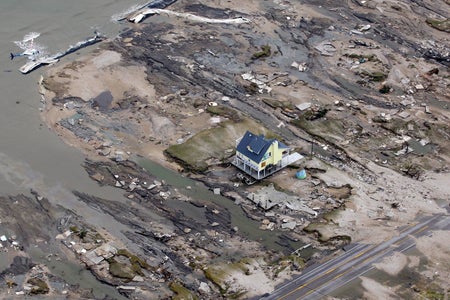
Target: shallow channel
(76,274)
(247,228)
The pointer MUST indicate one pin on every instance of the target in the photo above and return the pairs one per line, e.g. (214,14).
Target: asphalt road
(319,280)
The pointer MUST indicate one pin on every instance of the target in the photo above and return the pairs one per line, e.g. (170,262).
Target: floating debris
(45,60)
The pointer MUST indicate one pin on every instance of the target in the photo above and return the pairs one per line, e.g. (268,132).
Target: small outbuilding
(260,157)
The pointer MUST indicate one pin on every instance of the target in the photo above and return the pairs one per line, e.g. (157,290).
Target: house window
(263,164)
(267,155)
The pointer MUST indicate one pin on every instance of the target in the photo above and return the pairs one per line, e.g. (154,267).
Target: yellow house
(259,157)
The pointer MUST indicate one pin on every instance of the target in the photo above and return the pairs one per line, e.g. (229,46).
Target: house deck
(247,169)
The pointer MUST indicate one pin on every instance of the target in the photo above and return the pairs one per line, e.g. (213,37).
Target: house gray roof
(255,146)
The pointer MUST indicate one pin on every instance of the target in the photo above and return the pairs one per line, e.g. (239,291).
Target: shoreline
(128,97)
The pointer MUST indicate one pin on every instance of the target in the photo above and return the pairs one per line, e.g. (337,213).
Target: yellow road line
(421,229)
(407,227)
(346,261)
(325,273)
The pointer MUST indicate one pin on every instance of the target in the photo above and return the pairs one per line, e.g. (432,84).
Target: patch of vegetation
(224,111)
(137,263)
(265,52)
(443,25)
(181,292)
(81,233)
(432,294)
(218,274)
(412,170)
(325,234)
(129,270)
(39,286)
(376,76)
(285,262)
(120,270)
(298,262)
(426,288)
(363,57)
(213,144)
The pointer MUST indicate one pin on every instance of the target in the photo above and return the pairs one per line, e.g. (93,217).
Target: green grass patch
(265,52)
(443,25)
(376,76)
(217,143)
(120,270)
(321,229)
(136,262)
(128,270)
(363,57)
(181,292)
(39,286)
(220,273)
(217,276)
(224,111)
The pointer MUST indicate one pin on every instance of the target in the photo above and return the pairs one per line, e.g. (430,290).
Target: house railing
(269,170)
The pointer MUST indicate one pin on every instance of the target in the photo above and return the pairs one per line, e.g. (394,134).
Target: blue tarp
(301,174)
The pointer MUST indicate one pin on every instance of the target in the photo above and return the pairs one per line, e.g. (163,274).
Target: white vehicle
(30,49)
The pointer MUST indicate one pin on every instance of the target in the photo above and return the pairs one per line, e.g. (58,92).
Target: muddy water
(31,156)
(247,227)
(74,274)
